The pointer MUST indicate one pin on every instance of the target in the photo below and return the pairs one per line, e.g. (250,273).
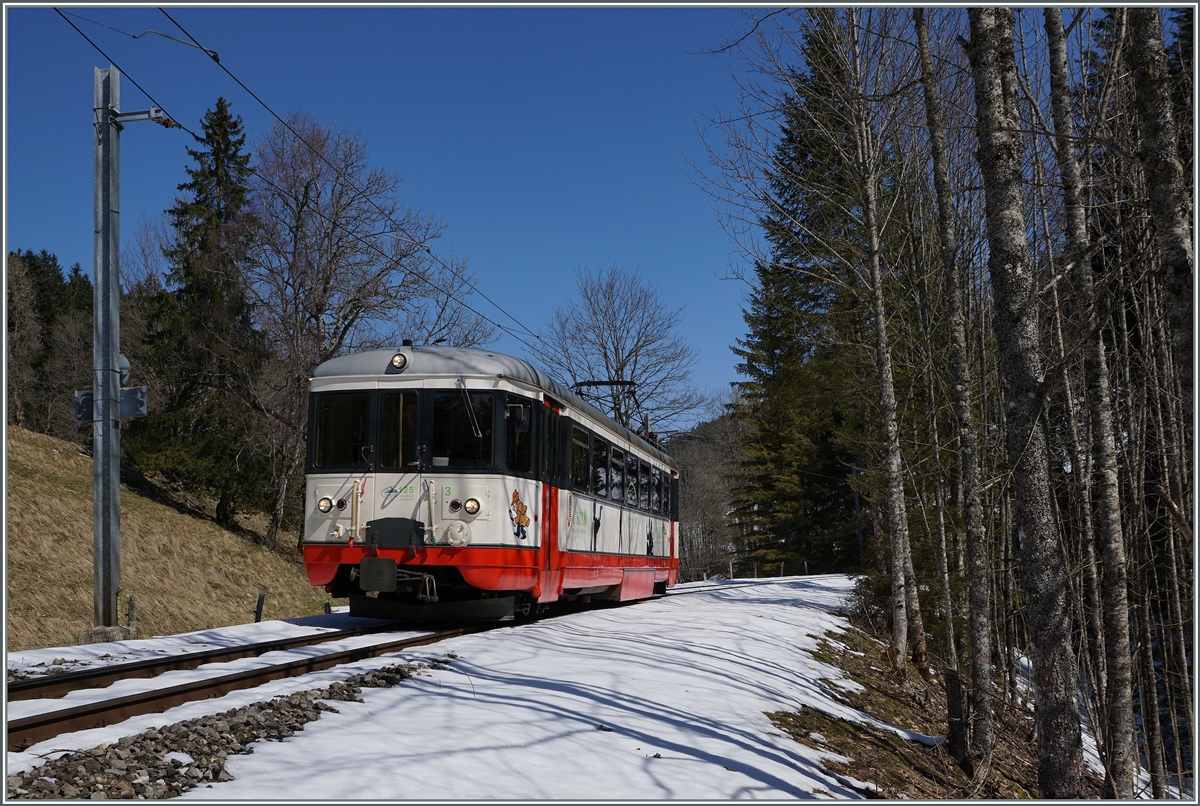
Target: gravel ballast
(165,762)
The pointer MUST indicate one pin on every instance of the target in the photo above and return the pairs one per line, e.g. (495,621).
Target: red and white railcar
(448,482)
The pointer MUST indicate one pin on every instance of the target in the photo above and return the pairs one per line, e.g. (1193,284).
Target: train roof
(454,362)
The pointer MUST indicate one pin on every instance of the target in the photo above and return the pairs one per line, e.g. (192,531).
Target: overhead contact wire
(322,157)
(420,275)
(114,64)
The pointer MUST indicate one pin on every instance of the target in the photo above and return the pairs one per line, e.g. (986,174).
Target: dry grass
(901,769)
(185,573)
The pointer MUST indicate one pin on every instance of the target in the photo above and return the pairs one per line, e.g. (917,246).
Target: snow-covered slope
(661,699)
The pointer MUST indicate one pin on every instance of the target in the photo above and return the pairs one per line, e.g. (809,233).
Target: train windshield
(462,429)
(342,438)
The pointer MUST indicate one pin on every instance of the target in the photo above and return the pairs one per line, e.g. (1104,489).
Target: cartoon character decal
(517,514)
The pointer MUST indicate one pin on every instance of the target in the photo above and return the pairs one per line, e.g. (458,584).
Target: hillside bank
(184,571)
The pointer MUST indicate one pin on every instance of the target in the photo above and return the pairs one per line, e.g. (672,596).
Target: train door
(551,480)
(398,493)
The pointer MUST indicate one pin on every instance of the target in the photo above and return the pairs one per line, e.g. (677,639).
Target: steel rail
(58,685)
(27,731)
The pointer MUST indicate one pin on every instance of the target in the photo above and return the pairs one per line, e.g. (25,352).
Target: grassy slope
(185,573)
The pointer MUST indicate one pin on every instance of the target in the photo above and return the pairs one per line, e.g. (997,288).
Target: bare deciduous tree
(1043,572)
(619,328)
(983,733)
(68,367)
(847,104)
(338,264)
(142,261)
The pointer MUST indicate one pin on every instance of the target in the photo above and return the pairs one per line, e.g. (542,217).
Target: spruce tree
(792,498)
(837,212)
(200,344)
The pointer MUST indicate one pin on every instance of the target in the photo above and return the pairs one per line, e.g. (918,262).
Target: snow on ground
(121,688)
(658,699)
(35,662)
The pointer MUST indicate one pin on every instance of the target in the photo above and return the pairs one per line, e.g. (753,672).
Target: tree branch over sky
(618,327)
(338,264)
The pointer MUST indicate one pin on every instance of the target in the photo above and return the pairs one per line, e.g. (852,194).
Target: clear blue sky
(546,139)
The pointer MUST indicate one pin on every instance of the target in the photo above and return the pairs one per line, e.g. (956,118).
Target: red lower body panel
(638,584)
(320,573)
(499,578)
(510,569)
(549,586)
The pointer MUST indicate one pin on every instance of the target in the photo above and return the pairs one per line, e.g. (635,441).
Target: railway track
(59,685)
(26,731)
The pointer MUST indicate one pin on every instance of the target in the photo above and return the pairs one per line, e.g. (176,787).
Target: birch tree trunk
(1119,728)
(904,609)
(979,560)
(1043,573)
(296,453)
(906,606)
(1151,717)
(1169,203)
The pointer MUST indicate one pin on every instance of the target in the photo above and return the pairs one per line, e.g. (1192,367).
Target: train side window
(666,506)
(550,423)
(398,430)
(462,436)
(656,491)
(644,485)
(579,460)
(518,414)
(616,485)
(342,439)
(631,475)
(599,467)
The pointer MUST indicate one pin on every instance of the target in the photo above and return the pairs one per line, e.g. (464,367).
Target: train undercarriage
(380,588)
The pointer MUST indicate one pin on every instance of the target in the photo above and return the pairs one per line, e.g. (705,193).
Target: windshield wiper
(470,409)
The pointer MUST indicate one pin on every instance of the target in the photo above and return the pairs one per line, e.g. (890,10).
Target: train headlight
(341,504)
(399,361)
(455,505)
(325,504)
(471,506)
